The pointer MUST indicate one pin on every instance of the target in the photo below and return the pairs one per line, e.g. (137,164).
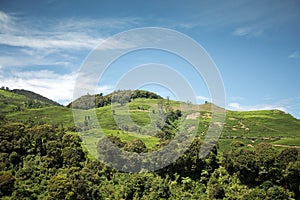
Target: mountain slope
(10,102)
(35,96)
(251,127)
(91,101)
(19,100)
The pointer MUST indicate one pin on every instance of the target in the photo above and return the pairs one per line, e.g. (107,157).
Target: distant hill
(35,96)
(250,127)
(91,101)
(19,100)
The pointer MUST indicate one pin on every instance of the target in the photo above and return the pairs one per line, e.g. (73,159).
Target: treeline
(39,161)
(120,96)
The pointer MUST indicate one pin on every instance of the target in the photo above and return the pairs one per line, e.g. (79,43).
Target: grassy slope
(35,96)
(52,115)
(10,101)
(20,100)
(251,127)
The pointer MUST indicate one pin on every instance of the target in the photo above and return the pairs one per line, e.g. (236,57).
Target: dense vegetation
(45,162)
(43,157)
(121,96)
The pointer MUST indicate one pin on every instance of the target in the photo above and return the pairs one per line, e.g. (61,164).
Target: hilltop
(257,151)
(91,101)
(35,96)
(251,127)
(20,100)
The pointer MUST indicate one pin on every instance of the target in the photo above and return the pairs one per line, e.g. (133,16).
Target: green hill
(35,96)
(47,157)
(20,100)
(91,101)
(251,127)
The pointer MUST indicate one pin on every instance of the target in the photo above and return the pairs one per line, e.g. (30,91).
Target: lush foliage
(43,157)
(44,162)
(121,96)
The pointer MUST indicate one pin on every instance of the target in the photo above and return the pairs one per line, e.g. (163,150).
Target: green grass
(91,138)
(288,141)
(268,123)
(251,127)
(9,101)
(51,115)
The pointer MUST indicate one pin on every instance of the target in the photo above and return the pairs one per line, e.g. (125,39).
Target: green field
(136,120)
(9,102)
(288,141)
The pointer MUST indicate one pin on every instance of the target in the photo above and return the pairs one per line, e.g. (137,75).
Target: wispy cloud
(200,99)
(64,43)
(47,83)
(22,60)
(58,87)
(285,105)
(238,107)
(6,22)
(234,106)
(294,55)
(267,98)
(248,31)
(67,40)
(265,20)
(31,42)
(63,34)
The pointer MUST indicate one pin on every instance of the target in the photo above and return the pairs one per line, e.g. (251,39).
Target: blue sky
(254,44)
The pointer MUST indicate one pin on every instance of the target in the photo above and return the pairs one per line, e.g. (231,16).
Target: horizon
(44,45)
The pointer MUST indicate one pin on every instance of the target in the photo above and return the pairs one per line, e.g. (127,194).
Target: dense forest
(41,161)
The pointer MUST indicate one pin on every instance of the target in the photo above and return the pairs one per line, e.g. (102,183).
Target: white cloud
(6,22)
(202,98)
(56,42)
(84,25)
(248,31)
(295,54)
(62,43)
(235,106)
(267,98)
(3,16)
(58,87)
(238,107)
(105,89)
(72,34)
(21,60)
